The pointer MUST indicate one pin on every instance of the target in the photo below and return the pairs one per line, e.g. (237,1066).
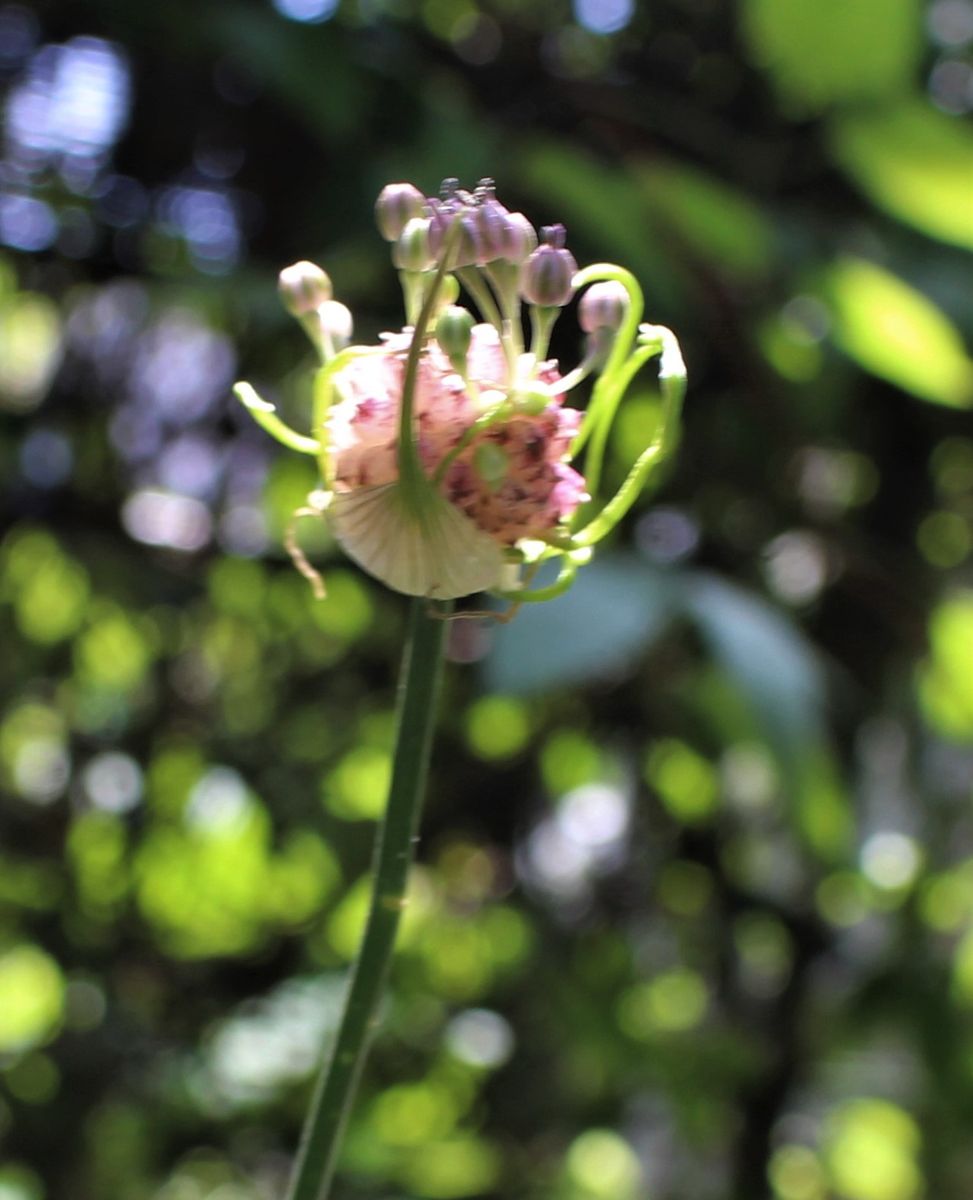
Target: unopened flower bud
(303,288)
(520,240)
(603,306)
(598,345)
(554,235)
(548,272)
(442,215)
(448,293)
(454,329)
(532,399)
(490,218)
(491,463)
(395,207)
(337,322)
(467,250)
(412,251)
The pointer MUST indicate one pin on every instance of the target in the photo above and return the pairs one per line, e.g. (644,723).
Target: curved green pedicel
(608,391)
(265,414)
(656,340)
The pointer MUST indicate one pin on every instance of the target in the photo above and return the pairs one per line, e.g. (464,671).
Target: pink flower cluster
(533,492)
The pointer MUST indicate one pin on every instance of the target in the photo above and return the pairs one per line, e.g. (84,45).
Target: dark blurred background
(693,914)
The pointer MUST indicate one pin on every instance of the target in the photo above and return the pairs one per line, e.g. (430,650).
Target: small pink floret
(537,491)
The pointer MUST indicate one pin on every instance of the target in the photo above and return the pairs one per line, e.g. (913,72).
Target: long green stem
(338,1080)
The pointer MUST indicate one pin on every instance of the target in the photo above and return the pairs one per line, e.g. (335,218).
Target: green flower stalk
(448,455)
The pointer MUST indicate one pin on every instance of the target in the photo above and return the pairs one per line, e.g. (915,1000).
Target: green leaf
(302,65)
(764,655)
(945,681)
(778,675)
(590,196)
(898,334)
(720,224)
(824,52)
(915,162)
(597,630)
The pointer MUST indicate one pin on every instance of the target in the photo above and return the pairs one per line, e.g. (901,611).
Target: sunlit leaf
(583,192)
(946,678)
(898,334)
(915,162)
(721,225)
(823,52)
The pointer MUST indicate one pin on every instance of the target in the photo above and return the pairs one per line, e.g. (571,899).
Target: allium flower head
(447,449)
(521,487)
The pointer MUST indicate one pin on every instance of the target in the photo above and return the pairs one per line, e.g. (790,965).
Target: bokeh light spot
(33,990)
(890,860)
(308,11)
(686,783)
(604,1164)
(871,1149)
(604,16)
(480,1038)
(497,727)
(113,781)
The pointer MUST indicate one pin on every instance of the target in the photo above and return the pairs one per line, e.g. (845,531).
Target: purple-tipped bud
(603,306)
(491,225)
(468,243)
(440,212)
(491,222)
(454,330)
(554,235)
(442,215)
(303,288)
(396,205)
(546,276)
(598,345)
(413,252)
(520,240)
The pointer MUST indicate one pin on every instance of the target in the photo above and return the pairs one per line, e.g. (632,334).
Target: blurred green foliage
(693,908)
